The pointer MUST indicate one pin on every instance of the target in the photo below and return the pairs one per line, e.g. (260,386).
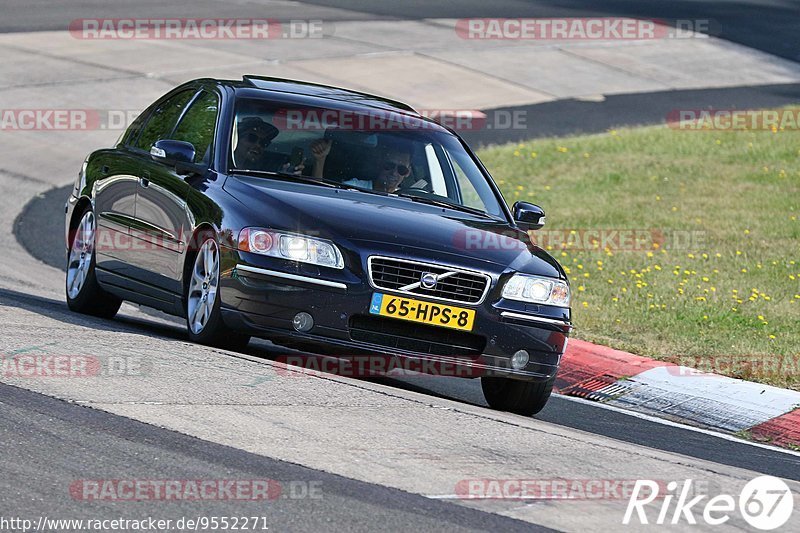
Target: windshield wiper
(304,179)
(288,177)
(447,205)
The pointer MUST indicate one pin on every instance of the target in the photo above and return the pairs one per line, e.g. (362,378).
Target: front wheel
(521,397)
(84,294)
(203,315)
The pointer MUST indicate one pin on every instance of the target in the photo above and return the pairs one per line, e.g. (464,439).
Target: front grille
(453,285)
(415,337)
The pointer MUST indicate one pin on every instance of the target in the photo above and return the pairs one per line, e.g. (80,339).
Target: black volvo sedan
(324,219)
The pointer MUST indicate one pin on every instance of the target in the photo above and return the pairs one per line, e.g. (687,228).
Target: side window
(469,196)
(473,187)
(162,120)
(197,125)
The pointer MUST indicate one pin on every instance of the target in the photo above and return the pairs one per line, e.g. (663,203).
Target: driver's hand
(320,149)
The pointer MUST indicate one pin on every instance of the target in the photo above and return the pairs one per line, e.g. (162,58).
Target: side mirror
(170,151)
(528,216)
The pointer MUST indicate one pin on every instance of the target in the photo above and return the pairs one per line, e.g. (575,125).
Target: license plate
(435,314)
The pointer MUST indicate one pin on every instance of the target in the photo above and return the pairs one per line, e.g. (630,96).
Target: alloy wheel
(203,286)
(80,255)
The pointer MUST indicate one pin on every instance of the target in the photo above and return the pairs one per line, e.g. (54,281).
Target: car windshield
(379,151)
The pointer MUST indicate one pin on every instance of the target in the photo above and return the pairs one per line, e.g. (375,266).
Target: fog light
(303,322)
(520,360)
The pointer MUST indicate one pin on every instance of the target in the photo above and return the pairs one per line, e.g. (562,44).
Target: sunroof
(324,91)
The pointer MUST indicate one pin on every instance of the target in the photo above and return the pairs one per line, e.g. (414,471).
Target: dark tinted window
(132,132)
(197,125)
(162,120)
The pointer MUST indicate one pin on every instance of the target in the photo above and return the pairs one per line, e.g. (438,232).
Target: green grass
(729,298)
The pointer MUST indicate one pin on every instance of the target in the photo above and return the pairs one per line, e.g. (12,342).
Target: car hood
(391,225)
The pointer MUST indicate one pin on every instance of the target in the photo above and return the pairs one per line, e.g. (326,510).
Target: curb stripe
(783,430)
(679,393)
(585,362)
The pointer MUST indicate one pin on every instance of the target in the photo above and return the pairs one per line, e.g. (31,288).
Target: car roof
(304,92)
(327,92)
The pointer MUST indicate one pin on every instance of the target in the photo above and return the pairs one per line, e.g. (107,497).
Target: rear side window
(161,122)
(197,125)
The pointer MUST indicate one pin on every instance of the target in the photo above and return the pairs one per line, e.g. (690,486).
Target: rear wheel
(203,315)
(521,397)
(84,294)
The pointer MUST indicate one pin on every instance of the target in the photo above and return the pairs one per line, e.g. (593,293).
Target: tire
(521,397)
(202,303)
(84,294)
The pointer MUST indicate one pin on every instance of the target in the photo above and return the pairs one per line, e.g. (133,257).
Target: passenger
(393,166)
(319,151)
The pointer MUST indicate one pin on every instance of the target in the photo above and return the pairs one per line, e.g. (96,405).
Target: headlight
(538,290)
(290,246)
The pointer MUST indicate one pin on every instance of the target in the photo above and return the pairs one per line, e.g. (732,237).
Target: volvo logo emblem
(428,280)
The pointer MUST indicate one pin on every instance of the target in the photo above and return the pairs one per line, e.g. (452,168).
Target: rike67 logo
(766,503)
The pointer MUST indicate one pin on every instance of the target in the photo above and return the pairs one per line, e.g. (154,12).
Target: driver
(254,136)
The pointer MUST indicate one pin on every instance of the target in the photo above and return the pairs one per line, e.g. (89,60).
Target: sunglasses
(254,138)
(402,170)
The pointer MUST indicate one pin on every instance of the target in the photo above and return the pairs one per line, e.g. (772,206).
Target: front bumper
(261,296)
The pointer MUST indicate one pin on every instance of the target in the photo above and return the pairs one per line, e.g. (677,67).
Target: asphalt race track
(36,425)
(385,453)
